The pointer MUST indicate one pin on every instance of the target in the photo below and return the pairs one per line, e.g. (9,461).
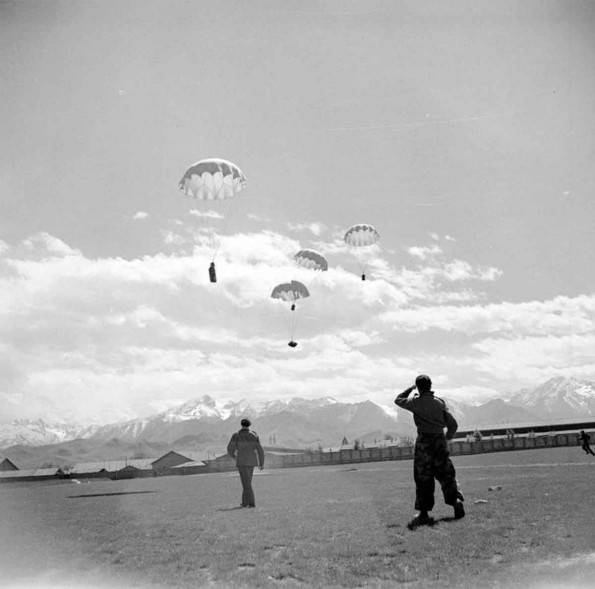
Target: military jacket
(245,447)
(430,413)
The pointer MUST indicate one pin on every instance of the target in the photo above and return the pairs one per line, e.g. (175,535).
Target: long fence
(295,459)
(378,454)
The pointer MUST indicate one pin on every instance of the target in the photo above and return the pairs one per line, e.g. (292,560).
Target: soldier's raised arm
(401,399)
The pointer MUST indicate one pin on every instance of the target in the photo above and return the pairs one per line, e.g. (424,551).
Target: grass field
(335,526)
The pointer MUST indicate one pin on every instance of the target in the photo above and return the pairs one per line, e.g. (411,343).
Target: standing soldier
(431,460)
(245,448)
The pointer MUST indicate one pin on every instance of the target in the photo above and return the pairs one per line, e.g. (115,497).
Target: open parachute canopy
(311,260)
(361,235)
(213,183)
(212,179)
(290,291)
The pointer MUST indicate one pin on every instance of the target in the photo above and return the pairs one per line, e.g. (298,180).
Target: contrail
(418,123)
(429,204)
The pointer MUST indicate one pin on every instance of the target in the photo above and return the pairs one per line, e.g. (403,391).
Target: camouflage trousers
(432,461)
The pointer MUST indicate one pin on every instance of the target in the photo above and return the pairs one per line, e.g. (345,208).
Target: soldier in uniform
(584,438)
(244,447)
(431,459)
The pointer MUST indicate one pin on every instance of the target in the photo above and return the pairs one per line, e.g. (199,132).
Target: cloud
(538,358)
(105,337)
(140,216)
(424,253)
(46,245)
(173,238)
(314,227)
(459,270)
(209,214)
(559,316)
(259,218)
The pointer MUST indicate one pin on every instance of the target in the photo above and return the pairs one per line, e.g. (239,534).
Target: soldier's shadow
(230,508)
(430,524)
(446,518)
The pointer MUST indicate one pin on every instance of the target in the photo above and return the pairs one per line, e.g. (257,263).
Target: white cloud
(459,270)
(470,394)
(206,214)
(172,238)
(559,316)
(44,244)
(90,337)
(314,227)
(423,253)
(535,359)
(259,218)
(140,216)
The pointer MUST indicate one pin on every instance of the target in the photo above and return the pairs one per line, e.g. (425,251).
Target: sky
(464,132)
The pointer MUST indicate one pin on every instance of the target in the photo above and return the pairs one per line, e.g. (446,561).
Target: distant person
(245,448)
(584,438)
(431,459)
(477,436)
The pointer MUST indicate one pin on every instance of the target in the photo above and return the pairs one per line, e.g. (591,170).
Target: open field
(335,526)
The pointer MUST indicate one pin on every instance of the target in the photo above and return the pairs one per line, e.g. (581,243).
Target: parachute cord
(229,211)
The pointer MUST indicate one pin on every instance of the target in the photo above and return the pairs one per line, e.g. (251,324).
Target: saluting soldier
(431,459)
(245,448)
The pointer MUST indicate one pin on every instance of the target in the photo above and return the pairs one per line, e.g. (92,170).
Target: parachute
(361,237)
(212,179)
(291,292)
(311,260)
(215,183)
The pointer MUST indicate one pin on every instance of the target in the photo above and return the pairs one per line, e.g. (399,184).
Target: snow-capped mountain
(309,422)
(38,432)
(559,398)
(206,420)
(292,421)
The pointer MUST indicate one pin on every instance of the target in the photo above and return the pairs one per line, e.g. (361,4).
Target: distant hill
(495,412)
(67,454)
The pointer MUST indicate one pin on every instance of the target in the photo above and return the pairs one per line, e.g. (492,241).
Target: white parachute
(215,184)
(362,238)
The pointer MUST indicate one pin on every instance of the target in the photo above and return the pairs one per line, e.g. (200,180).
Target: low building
(31,475)
(165,463)
(192,467)
(114,469)
(7,465)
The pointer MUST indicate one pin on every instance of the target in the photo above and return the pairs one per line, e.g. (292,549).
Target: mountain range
(205,424)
